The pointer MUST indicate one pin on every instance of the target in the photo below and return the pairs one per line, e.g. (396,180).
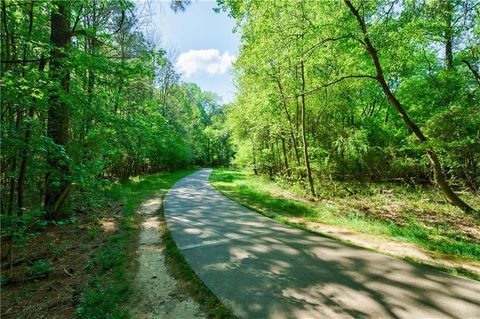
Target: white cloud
(209,61)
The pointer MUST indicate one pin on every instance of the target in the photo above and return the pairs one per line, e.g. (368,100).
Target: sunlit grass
(111,287)
(367,212)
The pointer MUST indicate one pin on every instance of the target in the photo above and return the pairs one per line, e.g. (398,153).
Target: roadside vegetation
(364,114)
(88,104)
(112,285)
(87,269)
(405,213)
(87,100)
(356,91)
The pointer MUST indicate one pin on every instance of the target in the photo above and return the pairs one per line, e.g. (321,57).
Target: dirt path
(157,293)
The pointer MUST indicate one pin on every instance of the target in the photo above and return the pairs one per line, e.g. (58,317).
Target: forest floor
(50,273)
(411,223)
(87,264)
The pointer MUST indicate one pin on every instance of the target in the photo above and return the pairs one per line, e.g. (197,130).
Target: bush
(39,269)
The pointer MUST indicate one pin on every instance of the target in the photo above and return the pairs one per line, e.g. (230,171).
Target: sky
(200,42)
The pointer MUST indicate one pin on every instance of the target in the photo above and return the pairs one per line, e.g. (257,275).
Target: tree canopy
(384,90)
(87,99)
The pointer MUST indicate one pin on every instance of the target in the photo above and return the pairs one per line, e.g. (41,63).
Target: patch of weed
(111,286)
(41,268)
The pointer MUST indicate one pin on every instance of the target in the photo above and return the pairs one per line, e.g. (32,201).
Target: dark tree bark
(254,160)
(448,34)
(11,53)
(472,69)
(431,154)
(6,34)
(57,182)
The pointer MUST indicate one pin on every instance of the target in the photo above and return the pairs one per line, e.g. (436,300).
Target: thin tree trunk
(28,131)
(432,156)
(285,158)
(304,135)
(290,124)
(448,34)
(472,69)
(254,160)
(6,36)
(18,118)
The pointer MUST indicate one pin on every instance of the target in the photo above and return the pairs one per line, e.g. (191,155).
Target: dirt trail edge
(263,269)
(156,292)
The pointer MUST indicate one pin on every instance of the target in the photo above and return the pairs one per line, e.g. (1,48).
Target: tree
(360,77)
(57,183)
(432,155)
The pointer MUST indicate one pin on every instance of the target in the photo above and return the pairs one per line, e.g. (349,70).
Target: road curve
(263,269)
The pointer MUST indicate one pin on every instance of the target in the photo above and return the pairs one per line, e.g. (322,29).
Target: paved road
(262,269)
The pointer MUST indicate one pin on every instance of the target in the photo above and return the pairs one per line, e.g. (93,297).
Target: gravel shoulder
(157,294)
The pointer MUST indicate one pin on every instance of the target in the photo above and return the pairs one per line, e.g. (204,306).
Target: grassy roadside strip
(111,285)
(264,197)
(186,277)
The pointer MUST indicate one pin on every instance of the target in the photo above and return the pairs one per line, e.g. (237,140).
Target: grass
(111,286)
(411,214)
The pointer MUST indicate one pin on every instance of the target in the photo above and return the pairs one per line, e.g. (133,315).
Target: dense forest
(358,116)
(379,90)
(88,99)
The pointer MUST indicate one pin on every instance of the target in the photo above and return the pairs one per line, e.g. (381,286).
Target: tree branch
(355,76)
(76,20)
(312,49)
(474,72)
(339,80)
(25,61)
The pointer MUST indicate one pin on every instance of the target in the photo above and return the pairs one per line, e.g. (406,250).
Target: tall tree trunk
(304,134)
(28,130)
(448,34)
(57,183)
(432,156)
(290,124)
(6,55)
(12,52)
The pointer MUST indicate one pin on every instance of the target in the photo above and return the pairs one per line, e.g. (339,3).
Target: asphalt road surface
(263,269)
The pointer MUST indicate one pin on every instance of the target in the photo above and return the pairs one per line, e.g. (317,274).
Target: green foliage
(124,111)
(111,286)
(17,227)
(352,130)
(128,111)
(41,268)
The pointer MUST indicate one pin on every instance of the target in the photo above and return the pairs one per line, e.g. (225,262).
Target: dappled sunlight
(264,269)
(151,222)
(109,225)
